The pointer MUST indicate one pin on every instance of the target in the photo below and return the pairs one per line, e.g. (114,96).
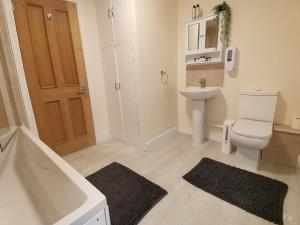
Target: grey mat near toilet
(129,195)
(259,195)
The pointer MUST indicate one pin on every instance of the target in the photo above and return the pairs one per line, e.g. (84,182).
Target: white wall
(267,35)
(7,114)
(157,50)
(92,55)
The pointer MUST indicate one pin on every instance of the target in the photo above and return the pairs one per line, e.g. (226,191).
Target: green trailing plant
(225,10)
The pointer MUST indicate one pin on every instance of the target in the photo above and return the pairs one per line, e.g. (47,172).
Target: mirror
(193,37)
(212,34)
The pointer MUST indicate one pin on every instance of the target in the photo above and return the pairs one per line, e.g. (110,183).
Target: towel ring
(164,77)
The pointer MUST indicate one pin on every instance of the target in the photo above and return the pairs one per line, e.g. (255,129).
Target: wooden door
(50,42)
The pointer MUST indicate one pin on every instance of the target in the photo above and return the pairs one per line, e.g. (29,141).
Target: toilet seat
(253,129)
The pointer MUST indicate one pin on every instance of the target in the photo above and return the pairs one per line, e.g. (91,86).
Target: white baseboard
(215,135)
(212,133)
(185,130)
(162,138)
(102,136)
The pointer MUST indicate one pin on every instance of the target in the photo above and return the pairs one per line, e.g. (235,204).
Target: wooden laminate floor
(185,204)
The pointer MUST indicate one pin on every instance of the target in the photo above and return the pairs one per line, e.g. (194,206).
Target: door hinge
(50,16)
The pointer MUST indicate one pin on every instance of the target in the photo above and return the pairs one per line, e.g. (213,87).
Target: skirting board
(212,133)
(102,136)
(162,138)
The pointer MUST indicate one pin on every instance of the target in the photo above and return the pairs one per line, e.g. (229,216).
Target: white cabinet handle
(112,12)
(164,77)
(108,13)
(117,86)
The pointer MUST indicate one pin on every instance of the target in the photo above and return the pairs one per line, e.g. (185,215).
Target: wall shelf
(204,63)
(286,129)
(203,52)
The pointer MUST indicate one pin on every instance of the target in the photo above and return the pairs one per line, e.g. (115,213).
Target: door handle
(84,90)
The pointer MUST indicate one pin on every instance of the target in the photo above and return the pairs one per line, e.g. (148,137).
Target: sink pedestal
(199,96)
(198,122)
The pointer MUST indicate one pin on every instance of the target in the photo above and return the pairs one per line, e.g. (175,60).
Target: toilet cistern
(252,131)
(199,95)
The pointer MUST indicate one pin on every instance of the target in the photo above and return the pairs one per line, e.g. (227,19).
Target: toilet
(252,132)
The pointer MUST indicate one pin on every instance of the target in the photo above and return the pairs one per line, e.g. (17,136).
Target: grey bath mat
(259,195)
(129,195)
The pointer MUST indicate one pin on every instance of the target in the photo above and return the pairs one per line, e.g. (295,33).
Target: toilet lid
(252,128)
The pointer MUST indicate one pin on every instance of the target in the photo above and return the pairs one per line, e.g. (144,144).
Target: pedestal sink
(199,96)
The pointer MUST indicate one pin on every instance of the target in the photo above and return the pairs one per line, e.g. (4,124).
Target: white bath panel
(99,219)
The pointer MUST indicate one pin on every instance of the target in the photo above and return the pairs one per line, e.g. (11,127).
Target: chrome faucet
(202,83)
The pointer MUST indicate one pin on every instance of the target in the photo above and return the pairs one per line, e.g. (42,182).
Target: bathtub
(38,187)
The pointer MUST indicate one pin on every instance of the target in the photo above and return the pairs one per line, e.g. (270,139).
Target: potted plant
(225,9)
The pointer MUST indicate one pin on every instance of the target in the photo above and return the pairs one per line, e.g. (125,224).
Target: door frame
(20,73)
(16,52)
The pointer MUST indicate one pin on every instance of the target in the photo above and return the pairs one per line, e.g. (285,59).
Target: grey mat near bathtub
(259,195)
(129,195)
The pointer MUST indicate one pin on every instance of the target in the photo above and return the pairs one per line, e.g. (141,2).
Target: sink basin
(199,96)
(198,93)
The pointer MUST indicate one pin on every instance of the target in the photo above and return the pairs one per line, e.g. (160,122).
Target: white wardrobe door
(113,102)
(105,23)
(126,68)
(123,20)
